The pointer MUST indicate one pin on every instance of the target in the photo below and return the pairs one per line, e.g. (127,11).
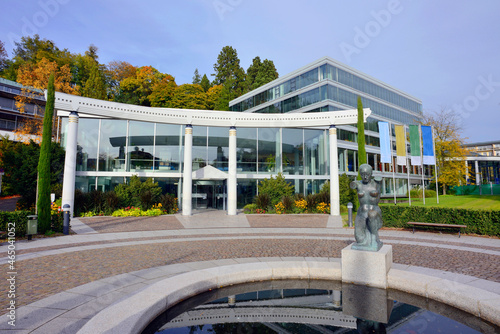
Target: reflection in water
(325,307)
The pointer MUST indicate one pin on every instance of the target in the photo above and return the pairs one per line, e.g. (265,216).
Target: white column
(187,182)
(334,173)
(231,180)
(68,193)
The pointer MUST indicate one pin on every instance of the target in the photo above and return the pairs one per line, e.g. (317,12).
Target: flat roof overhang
(101,108)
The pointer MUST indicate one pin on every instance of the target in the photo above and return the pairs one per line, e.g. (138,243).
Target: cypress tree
(43,203)
(361,135)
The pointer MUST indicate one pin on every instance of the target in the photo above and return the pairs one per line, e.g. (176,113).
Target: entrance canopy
(68,102)
(209,173)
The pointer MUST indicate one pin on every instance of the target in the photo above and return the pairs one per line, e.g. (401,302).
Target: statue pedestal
(365,267)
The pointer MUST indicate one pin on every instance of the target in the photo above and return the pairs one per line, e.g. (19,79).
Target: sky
(444,53)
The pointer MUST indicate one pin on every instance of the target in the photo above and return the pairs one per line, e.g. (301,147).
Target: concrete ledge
(134,313)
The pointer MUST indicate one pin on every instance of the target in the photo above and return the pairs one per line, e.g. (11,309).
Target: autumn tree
(213,96)
(34,78)
(31,50)
(196,77)
(205,83)
(116,72)
(189,97)
(137,89)
(163,91)
(450,152)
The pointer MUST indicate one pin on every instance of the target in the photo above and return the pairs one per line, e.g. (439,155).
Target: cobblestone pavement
(46,275)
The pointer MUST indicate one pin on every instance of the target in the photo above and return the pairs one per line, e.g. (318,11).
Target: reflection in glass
(140,146)
(107,183)
(269,149)
(246,149)
(86,156)
(112,144)
(168,147)
(314,153)
(199,147)
(218,147)
(293,151)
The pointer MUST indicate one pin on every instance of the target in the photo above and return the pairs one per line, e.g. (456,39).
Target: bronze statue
(369,216)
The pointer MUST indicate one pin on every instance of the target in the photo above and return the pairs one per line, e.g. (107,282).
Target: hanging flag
(428,145)
(385,142)
(400,145)
(415,151)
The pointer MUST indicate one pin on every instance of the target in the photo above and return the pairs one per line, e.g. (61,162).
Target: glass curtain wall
(199,147)
(169,142)
(293,151)
(246,149)
(218,147)
(140,146)
(112,145)
(269,150)
(88,134)
(314,152)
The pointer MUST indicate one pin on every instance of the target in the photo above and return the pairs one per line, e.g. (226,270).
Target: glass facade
(128,147)
(323,73)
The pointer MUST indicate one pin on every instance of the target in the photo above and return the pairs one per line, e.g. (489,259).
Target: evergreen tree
(267,73)
(95,86)
(252,72)
(43,203)
(205,83)
(230,75)
(196,77)
(361,134)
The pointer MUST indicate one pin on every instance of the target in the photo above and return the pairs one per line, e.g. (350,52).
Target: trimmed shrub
(276,188)
(250,208)
(20,221)
(483,222)
(130,194)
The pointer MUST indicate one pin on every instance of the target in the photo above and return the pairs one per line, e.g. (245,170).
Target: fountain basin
(134,313)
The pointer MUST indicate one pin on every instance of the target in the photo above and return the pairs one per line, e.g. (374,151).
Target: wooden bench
(437,225)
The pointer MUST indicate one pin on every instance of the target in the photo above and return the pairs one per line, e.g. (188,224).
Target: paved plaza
(63,282)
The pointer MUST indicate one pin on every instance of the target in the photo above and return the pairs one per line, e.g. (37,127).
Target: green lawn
(464,202)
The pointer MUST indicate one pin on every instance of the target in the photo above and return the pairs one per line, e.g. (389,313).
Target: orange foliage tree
(35,78)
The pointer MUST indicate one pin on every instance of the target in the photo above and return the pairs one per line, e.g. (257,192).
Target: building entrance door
(209,194)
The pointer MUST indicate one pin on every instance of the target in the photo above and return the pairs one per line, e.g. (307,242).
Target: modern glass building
(111,149)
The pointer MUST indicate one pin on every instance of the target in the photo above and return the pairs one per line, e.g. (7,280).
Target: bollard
(349,210)
(66,213)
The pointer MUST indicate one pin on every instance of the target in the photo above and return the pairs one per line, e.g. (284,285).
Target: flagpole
(392,163)
(435,165)
(422,162)
(407,170)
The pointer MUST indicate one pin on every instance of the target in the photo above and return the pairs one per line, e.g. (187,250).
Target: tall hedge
(43,203)
(483,222)
(361,134)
